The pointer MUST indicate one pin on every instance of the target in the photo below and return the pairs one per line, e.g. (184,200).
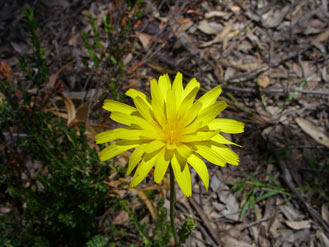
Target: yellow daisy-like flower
(171,129)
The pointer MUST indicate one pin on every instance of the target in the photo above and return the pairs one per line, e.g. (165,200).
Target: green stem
(172,199)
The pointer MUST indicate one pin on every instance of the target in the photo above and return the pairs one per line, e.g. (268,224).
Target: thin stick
(277,91)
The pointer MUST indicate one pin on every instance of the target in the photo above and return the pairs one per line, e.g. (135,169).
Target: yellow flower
(171,129)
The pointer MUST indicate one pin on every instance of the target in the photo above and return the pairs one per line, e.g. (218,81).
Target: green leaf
(186,230)
(244,209)
(267,195)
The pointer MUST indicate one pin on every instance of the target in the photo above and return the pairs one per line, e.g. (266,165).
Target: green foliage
(96,31)
(293,94)
(98,241)
(162,232)
(50,177)
(315,181)
(253,190)
(63,191)
(91,52)
(186,230)
(110,42)
(39,59)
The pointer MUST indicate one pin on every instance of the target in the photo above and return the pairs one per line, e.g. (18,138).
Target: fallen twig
(276,91)
(205,220)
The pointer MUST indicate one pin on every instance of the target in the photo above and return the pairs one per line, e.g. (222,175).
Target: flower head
(170,128)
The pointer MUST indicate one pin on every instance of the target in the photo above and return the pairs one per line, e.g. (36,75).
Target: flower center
(172,134)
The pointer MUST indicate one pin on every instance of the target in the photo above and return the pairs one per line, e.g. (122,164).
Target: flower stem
(172,209)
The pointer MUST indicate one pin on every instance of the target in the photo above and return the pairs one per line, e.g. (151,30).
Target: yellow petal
(106,136)
(222,140)
(157,102)
(158,111)
(146,134)
(133,93)
(141,172)
(198,136)
(178,88)
(226,125)
(153,146)
(122,118)
(171,107)
(191,114)
(184,150)
(211,112)
(171,146)
(192,128)
(129,134)
(200,167)
(183,178)
(135,158)
(164,84)
(188,101)
(115,106)
(191,86)
(121,133)
(151,130)
(115,149)
(210,154)
(210,97)
(161,166)
(226,153)
(156,94)
(191,138)
(143,108)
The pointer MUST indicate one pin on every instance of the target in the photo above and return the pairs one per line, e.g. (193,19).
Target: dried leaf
(145,39)
(53,77)
(121,218)
(71,111)
(96,128)
(264,81)
(275,225)
(245,67)
(74,40)
(322,37)
(315,132)
(324,74)
(289,212)
(206,28)
(229,241)
(235,8)
(20,47)
(5,71)
(228,205)
(116,183)
(325,212)
(298,225)
(221,36)
(82,113)
(184,25)
(323,238)
(297,69)
(187,42)
(127,59)
(147,201)
(57,113)
(274,17)
(216,13)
